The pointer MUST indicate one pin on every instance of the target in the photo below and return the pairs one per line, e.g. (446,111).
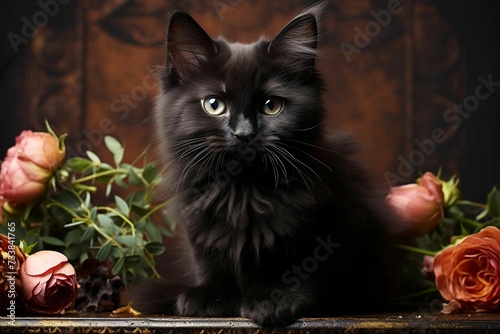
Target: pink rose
(468,273)
(49,283)
(28,167)
(419,206)
(41,148)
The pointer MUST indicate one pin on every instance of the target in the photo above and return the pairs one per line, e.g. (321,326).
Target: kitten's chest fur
(245,214)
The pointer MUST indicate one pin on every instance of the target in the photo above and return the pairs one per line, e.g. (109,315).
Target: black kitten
(282,223)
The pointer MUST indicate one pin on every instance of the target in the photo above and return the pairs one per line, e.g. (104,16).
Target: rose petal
(42,261)
(452,307)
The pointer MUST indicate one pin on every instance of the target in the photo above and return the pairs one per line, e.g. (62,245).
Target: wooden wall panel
(88,71)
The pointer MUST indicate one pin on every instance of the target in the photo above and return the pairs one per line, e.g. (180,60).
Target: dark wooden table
(389,323)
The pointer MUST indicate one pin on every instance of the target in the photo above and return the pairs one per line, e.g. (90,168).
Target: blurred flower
(419,206)
(49,283)
(428,267)
(11,258)
(99,290)
(28,166)
(468,273)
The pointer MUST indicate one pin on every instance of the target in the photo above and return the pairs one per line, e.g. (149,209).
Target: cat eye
(272,106)
(214,105)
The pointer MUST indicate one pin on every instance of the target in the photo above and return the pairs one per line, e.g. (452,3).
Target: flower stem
(468,221)
(156,208)
(101,174)
(470,203)
(418,250)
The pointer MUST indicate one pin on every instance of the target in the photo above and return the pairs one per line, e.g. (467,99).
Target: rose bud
(49,283)
(29,165)
(468,273)
(11,258)
(419,206)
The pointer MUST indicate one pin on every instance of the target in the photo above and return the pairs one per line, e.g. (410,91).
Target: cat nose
(241,134)
(242,129)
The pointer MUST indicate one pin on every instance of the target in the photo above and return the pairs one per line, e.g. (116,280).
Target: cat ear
(188,45)
(296,44)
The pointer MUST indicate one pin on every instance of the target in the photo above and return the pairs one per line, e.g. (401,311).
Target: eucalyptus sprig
(82,215)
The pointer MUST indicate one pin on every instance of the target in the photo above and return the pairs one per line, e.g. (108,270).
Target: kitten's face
(241,101)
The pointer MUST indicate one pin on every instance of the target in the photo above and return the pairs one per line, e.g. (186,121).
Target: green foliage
(67,218)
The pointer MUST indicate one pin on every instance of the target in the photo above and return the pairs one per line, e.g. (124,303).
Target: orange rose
(49,283)
(419,206)
(28,167)
(468,273)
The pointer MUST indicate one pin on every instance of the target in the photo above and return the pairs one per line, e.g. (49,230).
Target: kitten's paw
(205,301)
(270,312)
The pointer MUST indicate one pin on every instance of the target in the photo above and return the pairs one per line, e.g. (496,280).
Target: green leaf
(153,232)
(93,214)
(27,248)
(128,240)
(76,223)
(92,156)
(155,248)
(106,222)
(494,202)
(73,237)
(53,241)
(88,203)
(115,147)
(118,267)
(121,205)
(134,178)
(119,180)
(109,186)
(103,252)
(74,252)
(88,234)
(132,260)
(150,173)
(79,164)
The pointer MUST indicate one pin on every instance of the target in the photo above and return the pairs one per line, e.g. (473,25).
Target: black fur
(282,222)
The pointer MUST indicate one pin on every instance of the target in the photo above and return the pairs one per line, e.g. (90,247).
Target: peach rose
(468,273)
(49,283)
(419,206)
(28,167)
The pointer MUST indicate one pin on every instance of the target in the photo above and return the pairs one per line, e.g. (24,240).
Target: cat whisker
(296,163)
(309,155)
(275,161)
(191,163)
(311,128)
(311,145)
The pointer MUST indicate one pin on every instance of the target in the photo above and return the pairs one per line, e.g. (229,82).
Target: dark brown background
(88,72)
